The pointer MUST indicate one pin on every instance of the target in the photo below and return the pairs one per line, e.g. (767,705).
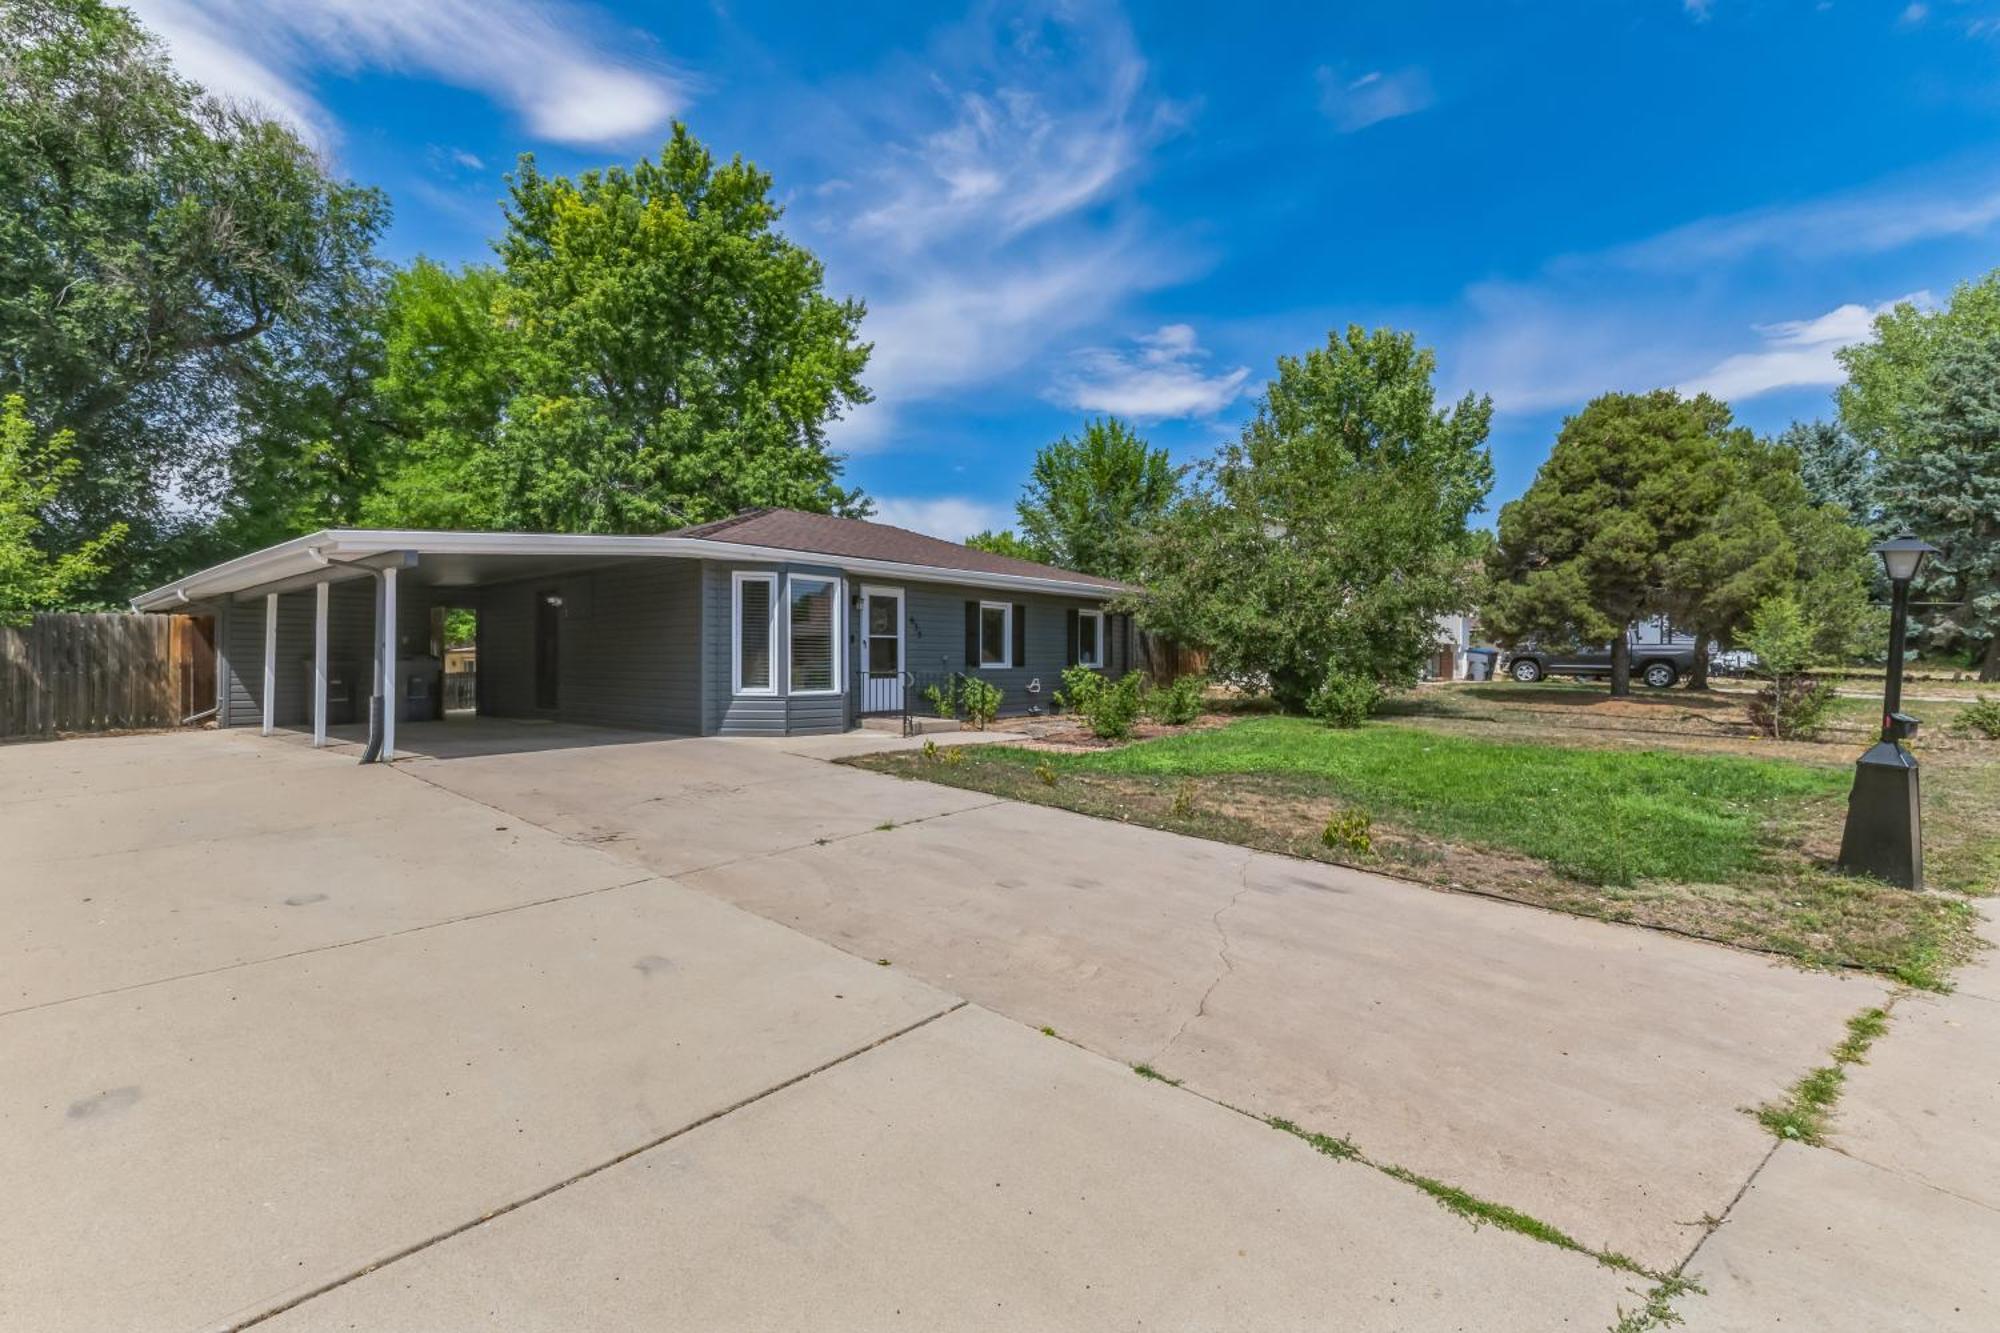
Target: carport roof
(465,558)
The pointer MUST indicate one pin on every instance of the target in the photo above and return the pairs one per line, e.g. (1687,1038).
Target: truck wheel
(1659,675)
(1527,671)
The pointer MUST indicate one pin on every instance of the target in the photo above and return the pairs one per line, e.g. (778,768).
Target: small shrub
(980,699)
(1792,708)
(1108,707)
(1349,830)
(1980,719)
(929,752)
(1046,771)
(1179,703)
(1344,699)
(943,699)
(1183,803)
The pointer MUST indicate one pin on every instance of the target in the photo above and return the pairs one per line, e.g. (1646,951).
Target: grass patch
(1603,816)
(1805,1110)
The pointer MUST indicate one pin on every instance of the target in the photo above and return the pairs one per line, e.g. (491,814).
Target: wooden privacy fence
(81,672)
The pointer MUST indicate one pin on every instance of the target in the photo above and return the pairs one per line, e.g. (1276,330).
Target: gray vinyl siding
(350,620)
(628,652)
(727,713)
(934,640)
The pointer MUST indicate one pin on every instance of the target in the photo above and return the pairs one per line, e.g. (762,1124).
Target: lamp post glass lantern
(1884,835)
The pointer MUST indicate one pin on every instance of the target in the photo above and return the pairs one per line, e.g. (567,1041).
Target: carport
(324,631)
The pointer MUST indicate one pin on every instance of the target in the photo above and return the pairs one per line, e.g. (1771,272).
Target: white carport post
(390,690)
(270,661)
(320,595)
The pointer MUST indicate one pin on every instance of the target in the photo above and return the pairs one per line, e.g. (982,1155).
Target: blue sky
(1064,209)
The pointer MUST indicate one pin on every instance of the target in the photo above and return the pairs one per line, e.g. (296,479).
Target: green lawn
(1603,816)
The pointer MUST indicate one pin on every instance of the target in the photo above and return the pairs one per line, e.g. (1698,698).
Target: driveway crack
(1226,964)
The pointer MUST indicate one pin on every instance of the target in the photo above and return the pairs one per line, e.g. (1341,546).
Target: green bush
(1980,719)
(1108,707)
(1177,704)
(1349,830)
(1344,699)
(980,699)
(1791,708)
(943,699)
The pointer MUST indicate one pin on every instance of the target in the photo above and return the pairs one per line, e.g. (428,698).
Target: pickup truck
(1658,665)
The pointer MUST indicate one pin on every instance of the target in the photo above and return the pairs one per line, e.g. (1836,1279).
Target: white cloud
(1797,353)
(1355,104)
(1915,14)
(551,63)
(1161,379)
(1698,10)
(952,517)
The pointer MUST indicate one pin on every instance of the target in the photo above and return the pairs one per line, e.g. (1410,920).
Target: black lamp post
(1884,835)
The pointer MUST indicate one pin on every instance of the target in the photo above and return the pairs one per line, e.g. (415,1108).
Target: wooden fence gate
(84,672)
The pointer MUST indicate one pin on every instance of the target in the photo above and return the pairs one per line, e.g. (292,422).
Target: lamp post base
(1884,836)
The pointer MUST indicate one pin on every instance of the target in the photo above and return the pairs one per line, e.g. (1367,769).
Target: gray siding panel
(350,641)
(934,639)
(628,655)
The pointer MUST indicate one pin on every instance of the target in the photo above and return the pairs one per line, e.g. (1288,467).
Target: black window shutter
(1071,652)
(972,634)
(1020,658)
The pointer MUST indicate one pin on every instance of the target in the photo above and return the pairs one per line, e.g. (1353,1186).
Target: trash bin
(422,679)
(1479,663)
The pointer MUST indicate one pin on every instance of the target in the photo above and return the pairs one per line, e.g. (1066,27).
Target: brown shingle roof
(823,534)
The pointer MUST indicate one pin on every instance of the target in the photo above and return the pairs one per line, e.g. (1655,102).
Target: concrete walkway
(568,1029)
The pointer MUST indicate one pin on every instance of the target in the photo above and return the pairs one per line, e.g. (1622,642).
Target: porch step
(893,724)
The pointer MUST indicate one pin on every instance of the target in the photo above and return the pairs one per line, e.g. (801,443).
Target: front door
(548,647)
(882,650)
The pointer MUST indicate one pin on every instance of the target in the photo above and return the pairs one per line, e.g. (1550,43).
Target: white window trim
(1098,660)
(736,582)
(1006,662)
(839,587)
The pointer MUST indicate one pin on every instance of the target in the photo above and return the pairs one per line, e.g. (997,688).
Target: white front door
(881,650)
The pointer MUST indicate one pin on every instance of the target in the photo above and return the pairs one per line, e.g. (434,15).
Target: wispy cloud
(1001,222)
(1355,103)
(1694,305)
(1698,10)
(952,517)
(1798,353)
(557,66)
(1160,378)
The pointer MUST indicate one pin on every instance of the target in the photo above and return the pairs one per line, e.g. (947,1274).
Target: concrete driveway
(550,1028)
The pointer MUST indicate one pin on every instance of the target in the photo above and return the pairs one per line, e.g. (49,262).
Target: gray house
(773,622)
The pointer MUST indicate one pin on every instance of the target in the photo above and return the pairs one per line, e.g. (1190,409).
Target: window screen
(1089,631)
(993,633)
(753,634)
(813,660)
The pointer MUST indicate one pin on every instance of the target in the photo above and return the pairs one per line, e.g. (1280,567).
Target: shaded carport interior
(635,666)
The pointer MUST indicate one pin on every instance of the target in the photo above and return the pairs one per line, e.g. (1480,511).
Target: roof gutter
(302,555)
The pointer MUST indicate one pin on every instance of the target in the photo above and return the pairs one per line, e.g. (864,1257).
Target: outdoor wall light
(1884,835)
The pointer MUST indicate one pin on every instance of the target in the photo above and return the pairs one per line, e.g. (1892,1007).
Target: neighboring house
(774,622)
(1454,636)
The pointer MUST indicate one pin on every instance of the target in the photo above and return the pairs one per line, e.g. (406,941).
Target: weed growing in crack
(1341,1150)
(1658,1311)
(1805,1109)
(1484,1212)
(1147,1071)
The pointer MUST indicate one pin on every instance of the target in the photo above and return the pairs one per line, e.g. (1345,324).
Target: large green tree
(32,472)
(1332,534)
(1835,467)
(166,262)
(652,351)
(1091,502)
(1944,483)
(1587,548)
(1766,538)
(1006,543)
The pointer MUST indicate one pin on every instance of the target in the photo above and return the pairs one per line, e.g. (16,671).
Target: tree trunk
(1698,673)
(1621,667)
(1989,669)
